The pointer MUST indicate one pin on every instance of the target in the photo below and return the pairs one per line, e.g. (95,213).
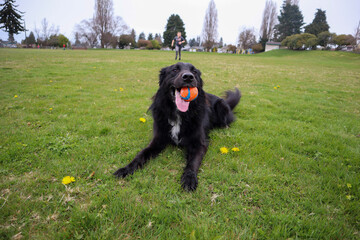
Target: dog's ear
(162,75)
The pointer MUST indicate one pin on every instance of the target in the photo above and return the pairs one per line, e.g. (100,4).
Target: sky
(150,16)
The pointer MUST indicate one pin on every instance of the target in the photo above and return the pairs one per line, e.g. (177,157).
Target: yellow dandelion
(50,81)
(66,180)
(15,96)
(235,149)
(121,89)
(278,86)
(115,90)
(275,87)
(348,197)
(224,150)
(348,185)
(142,120)
(50,109)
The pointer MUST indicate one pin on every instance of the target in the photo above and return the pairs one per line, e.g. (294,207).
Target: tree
(290,21)
(158,38)
(11,19)
(192,42)
(257,48)
(357,33)
(174,24)
(30,39)
(150,37)
(209,32)
(126,40)
(155,44)
(53,41)
(133,34)
(268,22)
(292,2)
(319,24)
(77,39)
(87,32)
(106,24)
(221,43)
(142,36)
(103,27)
(324,38)
(63,40)
(231,48)
(300,41)
(343,40)
(247,38)
(143,43)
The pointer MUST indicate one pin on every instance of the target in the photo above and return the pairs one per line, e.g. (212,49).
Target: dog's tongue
(180,103)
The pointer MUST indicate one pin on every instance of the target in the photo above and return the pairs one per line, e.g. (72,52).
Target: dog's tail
(232,98)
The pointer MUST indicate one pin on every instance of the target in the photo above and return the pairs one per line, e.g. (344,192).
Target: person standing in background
(178,41)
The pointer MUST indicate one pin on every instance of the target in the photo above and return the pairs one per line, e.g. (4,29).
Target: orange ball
(189,94)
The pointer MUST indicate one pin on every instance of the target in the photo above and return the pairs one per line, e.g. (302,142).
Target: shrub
(143,43)
(155,44)
(257,48)
(311,43)
(125,40)
(231,48)
(298,41)
(149,45)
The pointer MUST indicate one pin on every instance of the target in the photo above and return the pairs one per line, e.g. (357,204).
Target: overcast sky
(150,16)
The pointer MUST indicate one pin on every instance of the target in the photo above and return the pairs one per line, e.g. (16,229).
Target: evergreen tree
(11,19)
(30,39)
(133,34)
(150,37)
(290,21)
(142,36)
(174,25)
(192,42)
(221,43)
(319,24)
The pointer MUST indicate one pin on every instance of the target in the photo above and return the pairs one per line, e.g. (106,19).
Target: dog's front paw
(122,172)
(189,181)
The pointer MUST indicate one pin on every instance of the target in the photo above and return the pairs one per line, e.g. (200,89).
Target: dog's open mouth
(181,104)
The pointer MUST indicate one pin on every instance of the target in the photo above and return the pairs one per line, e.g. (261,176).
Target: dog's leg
(224,114)
(195,154)
(151,151)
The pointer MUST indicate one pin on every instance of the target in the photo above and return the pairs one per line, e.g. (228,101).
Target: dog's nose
(188,77)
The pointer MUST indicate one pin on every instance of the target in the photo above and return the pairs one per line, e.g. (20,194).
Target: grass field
(76,113)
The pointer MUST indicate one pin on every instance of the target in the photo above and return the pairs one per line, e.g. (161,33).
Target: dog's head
(177,76)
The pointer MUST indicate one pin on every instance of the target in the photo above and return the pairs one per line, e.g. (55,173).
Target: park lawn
(76,113)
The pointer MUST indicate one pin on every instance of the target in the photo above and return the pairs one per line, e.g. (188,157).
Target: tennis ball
(188,94)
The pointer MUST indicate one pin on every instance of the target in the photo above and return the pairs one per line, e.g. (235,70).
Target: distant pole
(25,33)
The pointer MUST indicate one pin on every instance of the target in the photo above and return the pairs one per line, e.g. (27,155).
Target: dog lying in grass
(182,123)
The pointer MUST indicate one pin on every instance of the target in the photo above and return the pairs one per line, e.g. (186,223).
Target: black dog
(183,123)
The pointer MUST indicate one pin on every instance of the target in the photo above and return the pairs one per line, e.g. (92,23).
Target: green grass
(298,159)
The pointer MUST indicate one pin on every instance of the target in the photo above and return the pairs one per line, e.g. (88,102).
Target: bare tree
(210,26)
(88,32)
(357,33)
(104,27)
(247,38)
(268,21)
(106,24)
(45,31)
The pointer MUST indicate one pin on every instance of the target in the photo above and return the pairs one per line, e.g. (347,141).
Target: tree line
(106,30)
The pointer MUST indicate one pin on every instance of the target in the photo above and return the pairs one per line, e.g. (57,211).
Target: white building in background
(272,45)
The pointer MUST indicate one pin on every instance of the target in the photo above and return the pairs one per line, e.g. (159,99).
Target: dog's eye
(194,72)
(175,70)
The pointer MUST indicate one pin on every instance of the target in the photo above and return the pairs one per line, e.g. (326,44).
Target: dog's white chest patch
(175,130)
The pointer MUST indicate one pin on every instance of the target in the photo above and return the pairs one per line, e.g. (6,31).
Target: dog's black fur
(204,113)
